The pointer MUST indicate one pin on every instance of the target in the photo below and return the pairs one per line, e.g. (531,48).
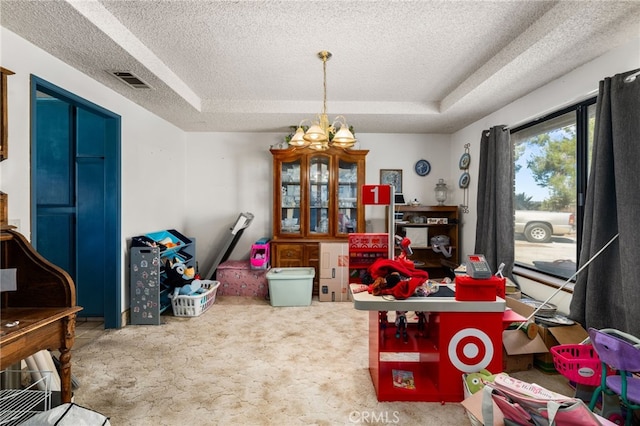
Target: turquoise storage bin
(290,286)
(172,235)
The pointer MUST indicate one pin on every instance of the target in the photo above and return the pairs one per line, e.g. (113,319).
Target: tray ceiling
(397,66)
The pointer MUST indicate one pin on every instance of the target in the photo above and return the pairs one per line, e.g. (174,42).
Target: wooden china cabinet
(316,198)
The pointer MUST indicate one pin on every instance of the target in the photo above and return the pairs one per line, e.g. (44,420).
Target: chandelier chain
(324,79)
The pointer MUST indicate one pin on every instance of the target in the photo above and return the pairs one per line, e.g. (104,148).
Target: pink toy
(260,256)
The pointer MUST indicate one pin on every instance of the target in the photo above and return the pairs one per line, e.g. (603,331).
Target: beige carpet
(244,362)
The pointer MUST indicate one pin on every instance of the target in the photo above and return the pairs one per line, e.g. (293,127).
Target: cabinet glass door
(347,196)
(319,195)
(290,201)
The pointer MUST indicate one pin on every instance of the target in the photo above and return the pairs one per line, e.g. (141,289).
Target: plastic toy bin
(290,286)
(170,241)
(578,363)
(194,305)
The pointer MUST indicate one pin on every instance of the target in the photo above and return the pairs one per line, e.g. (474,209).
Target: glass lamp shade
(315,134)
(298,138)
(441,192)
(344,138)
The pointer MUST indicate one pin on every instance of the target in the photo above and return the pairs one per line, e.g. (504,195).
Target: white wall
(153,151)
(227,173)
(388,151)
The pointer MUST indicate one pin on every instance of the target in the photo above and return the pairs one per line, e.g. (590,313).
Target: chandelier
(319,134)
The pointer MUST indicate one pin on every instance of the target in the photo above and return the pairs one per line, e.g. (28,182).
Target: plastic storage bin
(170,241)
(290,286)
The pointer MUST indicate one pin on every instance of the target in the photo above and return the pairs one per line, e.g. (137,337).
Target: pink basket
(578,363)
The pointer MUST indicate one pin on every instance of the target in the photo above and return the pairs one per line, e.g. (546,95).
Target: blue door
(76,198)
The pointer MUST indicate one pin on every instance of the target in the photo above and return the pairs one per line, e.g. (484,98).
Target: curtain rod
(627,79)
(551,110)
(631,77)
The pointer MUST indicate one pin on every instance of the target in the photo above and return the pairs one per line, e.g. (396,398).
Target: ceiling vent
(130,79)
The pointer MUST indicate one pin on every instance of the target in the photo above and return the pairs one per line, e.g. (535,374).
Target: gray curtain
(495,226)
(607,292)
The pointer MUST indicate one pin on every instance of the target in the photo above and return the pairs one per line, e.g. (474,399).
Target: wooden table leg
(69,325)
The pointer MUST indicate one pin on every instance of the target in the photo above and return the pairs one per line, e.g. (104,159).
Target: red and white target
(470,350)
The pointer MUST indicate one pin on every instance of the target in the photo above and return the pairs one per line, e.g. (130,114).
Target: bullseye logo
(470,350)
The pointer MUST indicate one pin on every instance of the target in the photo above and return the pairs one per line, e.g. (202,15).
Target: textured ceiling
(397,66)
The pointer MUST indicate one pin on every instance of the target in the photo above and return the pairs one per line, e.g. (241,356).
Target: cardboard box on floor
(549,336)
(518,350)
(554,336)
(334,291)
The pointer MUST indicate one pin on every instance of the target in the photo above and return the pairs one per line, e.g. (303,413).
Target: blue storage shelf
(153,300)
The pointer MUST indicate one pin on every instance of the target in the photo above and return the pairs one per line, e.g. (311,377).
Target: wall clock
(422,167)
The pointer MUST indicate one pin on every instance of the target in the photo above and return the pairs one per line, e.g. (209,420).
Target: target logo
(470,350)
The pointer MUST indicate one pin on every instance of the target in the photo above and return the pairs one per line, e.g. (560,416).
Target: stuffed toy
(194,287)
(476,381)
(178,273)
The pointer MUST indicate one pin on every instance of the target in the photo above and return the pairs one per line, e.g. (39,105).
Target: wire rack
(18,405)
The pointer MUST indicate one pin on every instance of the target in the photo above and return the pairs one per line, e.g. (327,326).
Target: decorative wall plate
(422,167)
(464,180)
(465,159)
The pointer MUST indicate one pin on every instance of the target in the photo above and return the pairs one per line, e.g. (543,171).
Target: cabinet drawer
(289,252)
(313,252)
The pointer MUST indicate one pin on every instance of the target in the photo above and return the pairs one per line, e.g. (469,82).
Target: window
(552,157)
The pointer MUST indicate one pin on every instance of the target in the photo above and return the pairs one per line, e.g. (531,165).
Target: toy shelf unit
(364,249)
(424,354)
(150,286)
(403,364)
(419,361)
(421,224)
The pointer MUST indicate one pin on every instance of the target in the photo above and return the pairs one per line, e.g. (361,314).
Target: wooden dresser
(42,308)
